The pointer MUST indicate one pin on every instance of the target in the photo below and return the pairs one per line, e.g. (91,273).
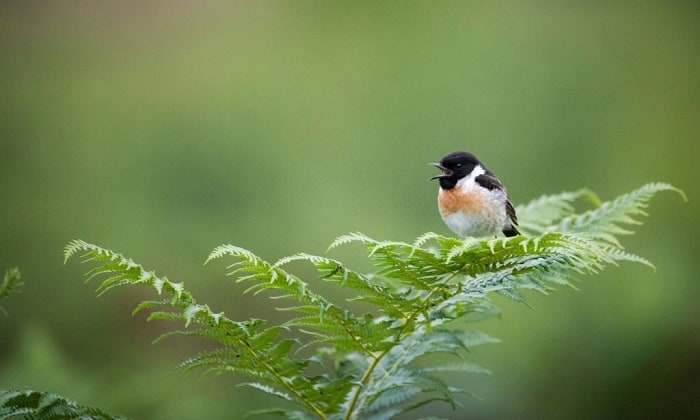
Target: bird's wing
(490,182)
(510,211)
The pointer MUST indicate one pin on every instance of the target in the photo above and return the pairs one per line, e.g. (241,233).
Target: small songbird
(472,201)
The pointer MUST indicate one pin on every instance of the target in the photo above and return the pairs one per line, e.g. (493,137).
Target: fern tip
(681,193)
(588,194)
(70,249)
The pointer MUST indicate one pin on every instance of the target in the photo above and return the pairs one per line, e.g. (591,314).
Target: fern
(10,284)
(374,365)
(29,404)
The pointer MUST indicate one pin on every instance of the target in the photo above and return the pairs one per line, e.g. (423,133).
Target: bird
(471,200)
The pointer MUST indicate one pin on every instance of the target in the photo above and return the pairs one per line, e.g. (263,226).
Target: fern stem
(397,338)
(282,382)
(361,385)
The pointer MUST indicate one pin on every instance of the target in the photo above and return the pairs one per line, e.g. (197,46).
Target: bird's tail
(511,231)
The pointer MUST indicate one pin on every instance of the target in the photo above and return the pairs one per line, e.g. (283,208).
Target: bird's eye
(459,165)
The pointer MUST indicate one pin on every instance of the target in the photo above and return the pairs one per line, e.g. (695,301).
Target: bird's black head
(454,167)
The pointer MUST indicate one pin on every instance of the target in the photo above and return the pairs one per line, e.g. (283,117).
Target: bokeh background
(163,129)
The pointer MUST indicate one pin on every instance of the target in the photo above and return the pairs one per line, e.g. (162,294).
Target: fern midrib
(397,339)
(187,300)
(282,382)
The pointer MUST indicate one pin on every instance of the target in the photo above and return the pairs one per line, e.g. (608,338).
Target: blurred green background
(163,129)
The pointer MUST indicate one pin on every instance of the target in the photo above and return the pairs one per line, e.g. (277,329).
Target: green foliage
(10,284)
(373,365)
(28,404)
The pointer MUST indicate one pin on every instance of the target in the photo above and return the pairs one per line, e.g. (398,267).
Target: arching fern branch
(369,360)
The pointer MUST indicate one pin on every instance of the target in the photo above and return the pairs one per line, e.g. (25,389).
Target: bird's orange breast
(455,200)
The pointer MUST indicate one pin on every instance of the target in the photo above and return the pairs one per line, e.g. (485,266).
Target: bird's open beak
(445,172)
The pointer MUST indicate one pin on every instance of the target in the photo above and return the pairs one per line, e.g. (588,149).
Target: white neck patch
(470,179)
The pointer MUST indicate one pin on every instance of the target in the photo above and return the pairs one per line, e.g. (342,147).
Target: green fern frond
(29,404)
(259,346)
(378,364)
(620,255)
(604,222)
(542,212)
(351,237)
(10,284)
